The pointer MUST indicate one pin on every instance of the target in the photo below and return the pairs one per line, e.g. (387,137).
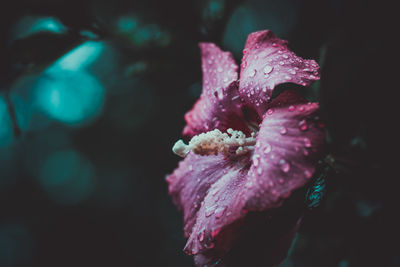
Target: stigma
(215,141)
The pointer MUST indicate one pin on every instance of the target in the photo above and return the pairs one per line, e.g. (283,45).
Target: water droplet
(252,73)
(259,170)
(270,111)
(285,167)
(285,56)
(308,174)
(283,130)
(215,232)
(268,69)
(209,211)
(301,108)
(303,125)
(244,64)
(274,44)
(256,160)
(291,108)
(190,168)
(210,61)
(219,69)
(287,77)
(267,149)
(307,142)
(201,235)
(219,212)
(292,72)
(281,63)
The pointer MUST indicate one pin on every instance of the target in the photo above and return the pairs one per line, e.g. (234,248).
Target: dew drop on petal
(259,170)
(303,125)
(308,174)
(285,167)
(268,69)
(215,232)
(219,212)
(252,73)
(270,111)
(291,108)
(283,130)
(209,211)
(267,149)
(219,69)
(201,235)
(307,142)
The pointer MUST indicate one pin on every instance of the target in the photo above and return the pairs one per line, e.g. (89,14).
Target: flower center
(215,141)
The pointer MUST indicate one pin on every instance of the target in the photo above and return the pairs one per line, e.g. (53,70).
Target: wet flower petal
(267,62)
(190,182)
(284,160)
(219,103)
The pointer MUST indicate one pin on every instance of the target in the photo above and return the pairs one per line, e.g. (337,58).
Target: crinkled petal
(267,62)
(190,182)
(219,104)
(289,144)
(219,215)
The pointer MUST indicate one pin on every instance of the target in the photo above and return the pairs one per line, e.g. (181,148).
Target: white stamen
(214,142)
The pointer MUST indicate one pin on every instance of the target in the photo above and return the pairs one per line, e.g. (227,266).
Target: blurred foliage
(92,96)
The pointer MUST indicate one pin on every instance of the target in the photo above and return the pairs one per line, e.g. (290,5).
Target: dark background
(92,98)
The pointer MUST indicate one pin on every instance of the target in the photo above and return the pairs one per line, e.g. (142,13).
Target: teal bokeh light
(30,25)
(67,177)
(70,97)
(79,58)
(6,128)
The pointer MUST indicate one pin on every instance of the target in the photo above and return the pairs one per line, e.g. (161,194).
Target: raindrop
(268,69)
(256,160)
(291,108)
(303,125)
(285,56)
(281,63)
(209,211)
(215,232)
(307,142)
(285,167)
(292,72)
(201,235)
(259,170)
(270,111)
(267,149)
(283,130)
(252,73)
(287,77)
(219,212)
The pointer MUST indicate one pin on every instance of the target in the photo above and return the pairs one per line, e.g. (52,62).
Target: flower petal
(289,144)
(267,62)
(219,104)
(222,207)
(190,182)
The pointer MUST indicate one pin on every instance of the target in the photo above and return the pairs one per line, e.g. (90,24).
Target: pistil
(215,141)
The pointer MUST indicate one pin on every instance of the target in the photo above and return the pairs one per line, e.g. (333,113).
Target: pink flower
(247,154)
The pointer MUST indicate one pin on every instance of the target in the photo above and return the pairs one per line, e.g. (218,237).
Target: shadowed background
(92,98)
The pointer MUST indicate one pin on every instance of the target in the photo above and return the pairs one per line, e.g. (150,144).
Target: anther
(214,142)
